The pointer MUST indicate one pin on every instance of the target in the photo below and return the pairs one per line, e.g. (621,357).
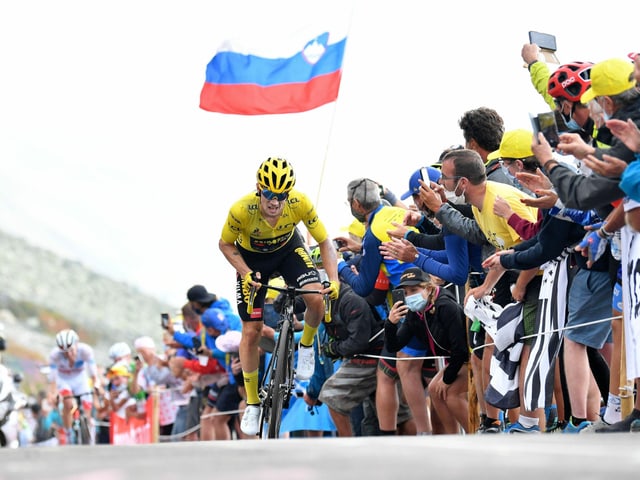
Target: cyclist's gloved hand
(248,278)
(334,287)
(329,349)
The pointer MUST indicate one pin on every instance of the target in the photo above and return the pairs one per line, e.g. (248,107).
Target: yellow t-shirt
(495,228)
(246,227)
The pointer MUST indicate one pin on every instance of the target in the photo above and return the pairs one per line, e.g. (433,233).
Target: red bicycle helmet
(570,81)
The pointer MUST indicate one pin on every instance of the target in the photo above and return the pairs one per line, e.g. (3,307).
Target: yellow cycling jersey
(497,229)
(246,227)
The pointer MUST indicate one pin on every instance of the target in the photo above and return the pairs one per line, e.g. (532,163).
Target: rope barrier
(557,330)
(594,322)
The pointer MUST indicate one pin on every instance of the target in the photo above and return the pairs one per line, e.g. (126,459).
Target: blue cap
(215,318)
(414,184)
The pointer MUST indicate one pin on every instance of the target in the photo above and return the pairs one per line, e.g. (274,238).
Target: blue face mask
(507,173)
(572,125)
(416,302)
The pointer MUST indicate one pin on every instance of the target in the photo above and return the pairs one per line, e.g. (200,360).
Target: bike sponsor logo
(305,256)
(265,245)
(308,277)
(313,221)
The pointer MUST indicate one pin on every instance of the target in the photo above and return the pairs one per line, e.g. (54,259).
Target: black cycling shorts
(292,262)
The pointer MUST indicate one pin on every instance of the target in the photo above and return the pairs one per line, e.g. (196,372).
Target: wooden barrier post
(626,386)
(155,415)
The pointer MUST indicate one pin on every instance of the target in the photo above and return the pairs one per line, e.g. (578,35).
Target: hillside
(41,293)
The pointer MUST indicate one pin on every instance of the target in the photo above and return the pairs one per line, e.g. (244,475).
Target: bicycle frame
(277,382)
(80,423)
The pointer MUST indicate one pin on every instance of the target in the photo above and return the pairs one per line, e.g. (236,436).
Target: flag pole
(324,162)
(333,117)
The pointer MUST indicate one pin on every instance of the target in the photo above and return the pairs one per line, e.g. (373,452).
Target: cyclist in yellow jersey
(259,239)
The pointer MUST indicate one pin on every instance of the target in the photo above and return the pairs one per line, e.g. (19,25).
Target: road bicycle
(81,425)
(277,384)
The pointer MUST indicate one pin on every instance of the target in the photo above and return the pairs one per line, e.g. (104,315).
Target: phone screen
(546,123)
(548,127)
(397,295)
(543,40)
(164,320)
(424,173)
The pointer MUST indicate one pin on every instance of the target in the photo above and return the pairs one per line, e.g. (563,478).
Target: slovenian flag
(286,75)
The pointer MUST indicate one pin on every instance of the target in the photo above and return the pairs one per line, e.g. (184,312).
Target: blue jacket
(379,223)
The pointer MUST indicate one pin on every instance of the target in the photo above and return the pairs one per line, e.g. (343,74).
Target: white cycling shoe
(306,363)
(250,424)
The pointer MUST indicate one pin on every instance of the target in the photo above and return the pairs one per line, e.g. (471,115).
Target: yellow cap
(119,370)
(610,77)
(514,144)
(356,228)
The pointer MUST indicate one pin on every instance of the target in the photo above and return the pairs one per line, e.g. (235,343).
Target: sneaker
(595,426)
(519,428)
(551,415)
(251,420)
(493,427)
(623,425)
(558,427)
(306,363)
(571,428)
(481,423)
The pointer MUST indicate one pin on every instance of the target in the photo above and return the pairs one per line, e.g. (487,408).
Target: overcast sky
(106,158)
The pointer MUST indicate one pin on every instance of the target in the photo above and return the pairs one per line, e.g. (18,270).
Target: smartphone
(338,244)
(546,123)
(545,41)
(397,295)
(164,320)
(560,122)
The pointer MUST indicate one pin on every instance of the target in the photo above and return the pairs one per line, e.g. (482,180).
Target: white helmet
(119,350)
(66,339)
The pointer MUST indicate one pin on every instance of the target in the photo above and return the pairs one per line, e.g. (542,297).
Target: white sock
(613,412)
(527,422)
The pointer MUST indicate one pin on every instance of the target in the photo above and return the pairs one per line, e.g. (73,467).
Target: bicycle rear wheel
(280,381)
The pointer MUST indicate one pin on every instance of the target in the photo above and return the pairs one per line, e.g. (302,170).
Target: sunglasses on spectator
(443,177)
(278,196)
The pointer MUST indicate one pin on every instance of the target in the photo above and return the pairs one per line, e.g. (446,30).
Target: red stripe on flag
(255,100)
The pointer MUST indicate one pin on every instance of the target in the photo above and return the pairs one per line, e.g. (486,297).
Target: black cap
(199,294)
(413,276)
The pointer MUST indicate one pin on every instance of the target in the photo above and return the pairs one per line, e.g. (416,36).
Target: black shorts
(292,262)
(224,399)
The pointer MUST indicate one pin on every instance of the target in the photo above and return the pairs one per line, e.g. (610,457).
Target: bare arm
(233,256)
(329,259)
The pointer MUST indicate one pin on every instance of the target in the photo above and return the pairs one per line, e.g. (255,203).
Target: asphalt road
(513,457)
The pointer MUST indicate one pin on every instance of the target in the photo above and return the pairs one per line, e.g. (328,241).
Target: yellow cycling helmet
(276,175)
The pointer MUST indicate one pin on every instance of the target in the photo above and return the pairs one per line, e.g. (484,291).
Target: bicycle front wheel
(85,434)
(280,381)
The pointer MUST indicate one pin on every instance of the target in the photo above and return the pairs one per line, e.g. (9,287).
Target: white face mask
(453,198)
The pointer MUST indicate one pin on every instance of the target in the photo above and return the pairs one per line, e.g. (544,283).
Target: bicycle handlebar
(289,290)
